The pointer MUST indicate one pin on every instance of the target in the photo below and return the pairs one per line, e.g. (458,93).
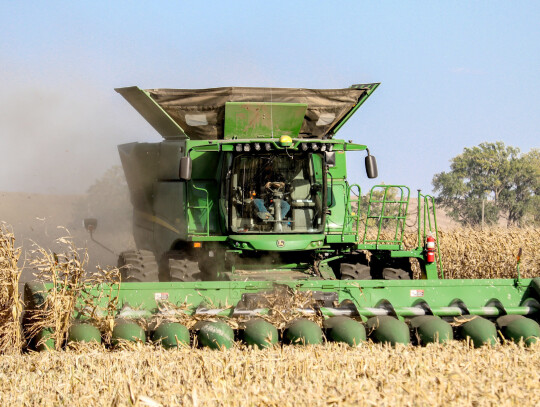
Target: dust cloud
(57,142)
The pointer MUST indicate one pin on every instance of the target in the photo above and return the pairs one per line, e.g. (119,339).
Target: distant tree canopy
(506,181)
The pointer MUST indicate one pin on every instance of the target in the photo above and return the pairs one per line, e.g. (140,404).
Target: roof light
(247,147)
(267,146)
(257,147)
(285,141)
(314,146)
(304,146)
(238,148)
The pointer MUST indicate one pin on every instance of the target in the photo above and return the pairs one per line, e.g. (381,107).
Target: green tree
(493,175)
(521,201)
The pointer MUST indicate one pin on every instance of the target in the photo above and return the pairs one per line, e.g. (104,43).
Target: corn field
(332,374)
(491,253)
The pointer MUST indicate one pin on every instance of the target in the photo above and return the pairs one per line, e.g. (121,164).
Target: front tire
(357,271)
(390,273)
(138,266)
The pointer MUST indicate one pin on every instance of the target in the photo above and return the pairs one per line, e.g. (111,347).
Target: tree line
(491,182)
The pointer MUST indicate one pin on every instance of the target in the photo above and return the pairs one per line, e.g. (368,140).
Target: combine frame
(248,193)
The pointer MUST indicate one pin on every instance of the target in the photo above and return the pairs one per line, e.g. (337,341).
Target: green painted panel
(336,205)
(205,164)
(285,243)
(263,120)
(339,171)
(202,215)
(443,297)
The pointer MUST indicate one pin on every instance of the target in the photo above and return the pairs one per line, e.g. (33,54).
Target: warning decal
(161,296)
(417,293)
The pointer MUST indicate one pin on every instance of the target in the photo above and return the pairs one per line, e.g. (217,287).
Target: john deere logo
(280,243)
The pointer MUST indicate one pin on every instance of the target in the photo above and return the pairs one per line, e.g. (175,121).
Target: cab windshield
(277,193)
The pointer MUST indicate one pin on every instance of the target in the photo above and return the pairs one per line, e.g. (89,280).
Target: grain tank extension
(245,221)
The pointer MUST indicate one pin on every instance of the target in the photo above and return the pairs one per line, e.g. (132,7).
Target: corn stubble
(329,374)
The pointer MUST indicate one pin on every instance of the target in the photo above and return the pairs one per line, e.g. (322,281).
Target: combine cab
(243,218)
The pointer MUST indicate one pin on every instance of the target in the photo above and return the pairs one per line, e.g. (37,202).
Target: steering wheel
(274,187)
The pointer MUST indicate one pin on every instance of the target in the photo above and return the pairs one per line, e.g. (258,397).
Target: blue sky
(454,74)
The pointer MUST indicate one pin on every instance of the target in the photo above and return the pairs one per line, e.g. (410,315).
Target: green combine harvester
(245,205)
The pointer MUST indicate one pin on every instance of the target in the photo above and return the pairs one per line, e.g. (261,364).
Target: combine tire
(354,267)
(138,266)
(178,267)
(356,271)
(183,270)
(389,273)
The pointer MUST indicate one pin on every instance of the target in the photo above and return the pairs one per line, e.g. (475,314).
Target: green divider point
(480,330)
(522,329)
(387,329)
(171,335)
(345,329)
(129,331)
(215,335)
(260,333)
(303,332)
(506,319)
(84,332)
(432,329)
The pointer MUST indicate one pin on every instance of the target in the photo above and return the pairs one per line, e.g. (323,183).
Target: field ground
(328,375)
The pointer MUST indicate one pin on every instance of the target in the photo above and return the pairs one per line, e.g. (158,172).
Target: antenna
(271,117)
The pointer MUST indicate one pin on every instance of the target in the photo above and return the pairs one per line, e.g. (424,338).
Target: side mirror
(90,224)
(185,168)
(330,158)
(371,166)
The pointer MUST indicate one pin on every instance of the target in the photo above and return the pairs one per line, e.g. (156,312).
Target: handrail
(400,217)
(426,209)
(199,207)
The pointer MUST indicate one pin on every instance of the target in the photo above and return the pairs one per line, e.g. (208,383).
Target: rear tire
(138,266)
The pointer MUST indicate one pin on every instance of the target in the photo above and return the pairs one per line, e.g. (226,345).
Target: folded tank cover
(199,114)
